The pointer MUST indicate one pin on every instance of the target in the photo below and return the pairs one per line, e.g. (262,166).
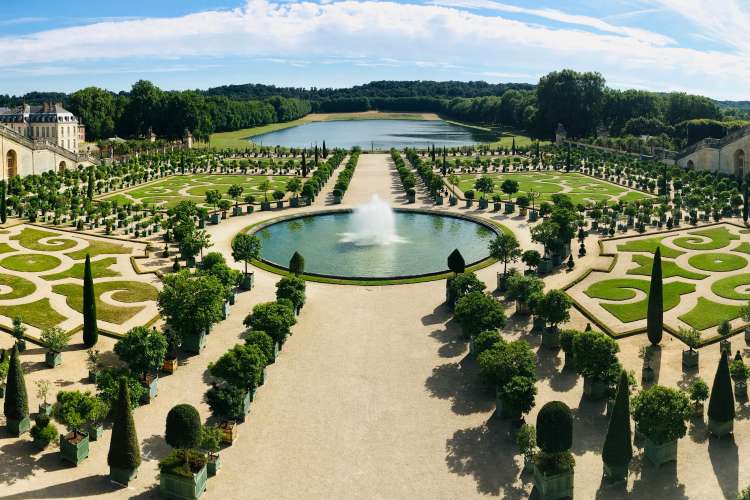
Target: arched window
(12,162)
(739,163)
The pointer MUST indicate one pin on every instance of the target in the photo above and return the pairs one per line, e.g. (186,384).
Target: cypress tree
(721,404)
(304,164)
(297,264)
(745,204)
(4,203)
(325,151)
(655,319)
(456,262)
(618,447)
(16,404)
(124,452)
(90,187)
(90,331)
(316,155)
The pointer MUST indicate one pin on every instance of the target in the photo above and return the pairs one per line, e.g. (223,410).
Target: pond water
(375,134)
(421,246)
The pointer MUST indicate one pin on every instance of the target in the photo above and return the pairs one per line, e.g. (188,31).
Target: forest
(579,100)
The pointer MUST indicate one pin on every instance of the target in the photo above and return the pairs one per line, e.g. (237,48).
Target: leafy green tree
(143,350)
(74,409)
(554,307)
(595,353)
(241,366)
(273,318)
(506,249)
(502,361)
(618,447)
(124,449)
(655,317)
(213,196)
(226,401)
(191,304)
(183,427)
(721,403)
(477,312)
(97,108)
(509,187)
(461,284)
(262,341)
(90,329)
(293,289)
(235,191)
(245,248)
(484,185)
(16,404)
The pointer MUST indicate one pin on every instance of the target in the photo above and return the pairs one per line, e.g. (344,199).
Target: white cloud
(429,37)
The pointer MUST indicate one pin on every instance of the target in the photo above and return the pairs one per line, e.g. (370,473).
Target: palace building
(48,122)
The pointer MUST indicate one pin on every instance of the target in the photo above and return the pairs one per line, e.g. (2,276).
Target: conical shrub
(90,331)
(124,451)
(16,404)
(618,447)
(655,319)
(721,403)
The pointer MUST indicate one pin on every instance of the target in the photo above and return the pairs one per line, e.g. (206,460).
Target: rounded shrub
(183,427)
(554,427)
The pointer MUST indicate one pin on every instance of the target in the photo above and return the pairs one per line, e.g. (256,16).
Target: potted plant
(692,338)
(567,338)
(54,339)
(183,473)
(526,441)
(646,353)
(516,397)
(554,464)
(43,432)
(721,402)
(42,391)
(75,409)
(174,341)
(229,431)
(228,402)
(660,413)
(725,344)
(210,443)
(143,350)
(739,372)
(93,363)
(595,354)
(618,448)
(469,195)
(19,330)
(16,404)
(698,395)
(554,307)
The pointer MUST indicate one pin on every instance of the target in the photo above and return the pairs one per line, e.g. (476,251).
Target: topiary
(505,360)
(618,448)
(90,329)
(721,403)
(263,341)
(554,427)
(124,450)
(297,264)
(183,427)
(655,316)
(486,340)
(456,262)
(16,404)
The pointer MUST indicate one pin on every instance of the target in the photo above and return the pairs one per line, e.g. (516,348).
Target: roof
(47,112)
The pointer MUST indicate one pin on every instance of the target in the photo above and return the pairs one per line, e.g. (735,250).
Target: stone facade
(728,155)
(22,156)
(48,122)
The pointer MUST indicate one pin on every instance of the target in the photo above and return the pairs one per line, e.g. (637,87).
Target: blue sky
(700,46)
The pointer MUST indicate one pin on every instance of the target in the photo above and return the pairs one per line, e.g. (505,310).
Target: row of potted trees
(345,177)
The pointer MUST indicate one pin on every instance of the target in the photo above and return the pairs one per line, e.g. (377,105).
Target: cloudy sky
(700,46)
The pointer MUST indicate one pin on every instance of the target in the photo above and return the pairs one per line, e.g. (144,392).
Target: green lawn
(622,289)
(30,263)
(669,268)
(707,314)
(727,287)
(717,262)
(39,314)
(743,247)
(97,247)
(126,291)
(649,245)
(30,238)
(20,287)
(719,238)
(99,269)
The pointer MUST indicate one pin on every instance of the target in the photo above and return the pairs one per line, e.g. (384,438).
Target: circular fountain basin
(335,244)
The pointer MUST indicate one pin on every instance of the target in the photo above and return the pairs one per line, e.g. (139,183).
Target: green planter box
(551,338)
(225,310)
(469,203)
(689,360)
(483,203)
(438,200)
(194,343)
(452,200)
(265,206)
(594,389)
(45,408)
(236,210)
(615,473)
(336,200)
(294,202)
(554,486)
(249,209)
(533,216)
(539,324)
(213,465)
(181,487)
(660,454)
(74,453)
(152,390)
(411,197)
(509,208)
(246,402)
(544,266)
(18,427)
(215,218)
(247,281)
(95,431)
(720,429)
(122,476)
(52,358)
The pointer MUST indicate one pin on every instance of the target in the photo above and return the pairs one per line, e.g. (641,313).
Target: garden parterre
(706,274)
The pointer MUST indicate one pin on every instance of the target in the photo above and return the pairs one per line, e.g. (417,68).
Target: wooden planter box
(660,454)
(194,343)
(181,487)
(18,427)
(720,429)
(169,365)
(689,360)
(551,338)
(52,358)
(594,389)
(229,431)
(122,476)
(554,486)
(74,447)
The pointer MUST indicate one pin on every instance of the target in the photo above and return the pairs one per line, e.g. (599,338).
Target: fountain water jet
(373,223)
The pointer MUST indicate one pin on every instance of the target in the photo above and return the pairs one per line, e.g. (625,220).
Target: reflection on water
(380,134)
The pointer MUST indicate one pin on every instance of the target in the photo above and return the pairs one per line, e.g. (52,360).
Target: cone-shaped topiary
(554,427)
(124,452)
(655,321)
(297,264)
(618,447)
(90,331)
(721,404)
(16,404)
(183,427)
(4,203)
(456,262)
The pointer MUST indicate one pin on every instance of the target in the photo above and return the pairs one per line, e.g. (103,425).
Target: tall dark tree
(16,404)
(745,203)
(618,447)
(4,203)
(304,164)
(721,403)
(655,317)
(325,151)
(90,185)
(456,262)
(90,330)
(316,155)
(124,451)
(297,264)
